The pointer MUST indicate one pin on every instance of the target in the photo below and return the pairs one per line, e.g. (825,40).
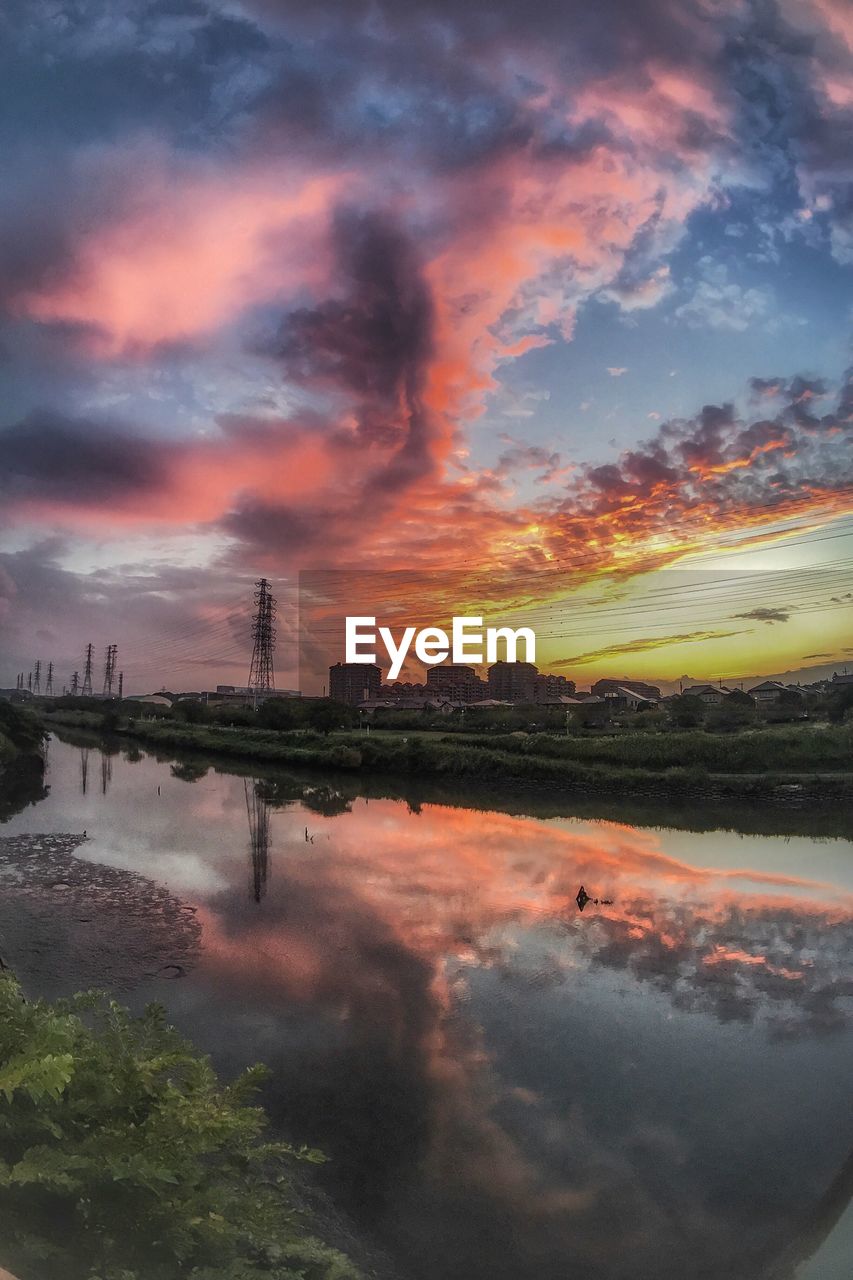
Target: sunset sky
(553,302)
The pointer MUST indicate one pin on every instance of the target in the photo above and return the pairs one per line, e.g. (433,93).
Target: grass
(746,765)
(780,750)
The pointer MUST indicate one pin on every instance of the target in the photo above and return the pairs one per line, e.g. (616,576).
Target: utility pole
(75,684)
(262,671)
(109,669)
(86,691)
(49,686)
(37,676)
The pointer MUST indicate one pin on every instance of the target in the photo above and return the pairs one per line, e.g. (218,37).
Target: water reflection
(509,1088)
(84,768)
(258,811)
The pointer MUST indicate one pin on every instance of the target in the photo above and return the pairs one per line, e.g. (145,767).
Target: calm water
(509,1088)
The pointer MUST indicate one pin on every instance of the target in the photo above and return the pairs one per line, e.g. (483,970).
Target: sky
(553,304)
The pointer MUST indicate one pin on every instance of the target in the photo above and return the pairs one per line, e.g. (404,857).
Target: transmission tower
(75,684)
(120,685)
(48,688)
(262,671)
(37,677)
(86,691)
(110,660)
(30,681)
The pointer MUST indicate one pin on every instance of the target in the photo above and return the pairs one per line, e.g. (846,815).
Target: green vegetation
(682,748)
(755,763)
(21,759)
(123,1158)
(21,733)
(784,749)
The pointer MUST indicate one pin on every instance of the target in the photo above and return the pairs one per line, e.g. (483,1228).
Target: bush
(840,705)
(687,711)
(125,1159)
(20,728)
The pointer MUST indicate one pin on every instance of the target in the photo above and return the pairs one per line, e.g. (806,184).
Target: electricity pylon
(262,669)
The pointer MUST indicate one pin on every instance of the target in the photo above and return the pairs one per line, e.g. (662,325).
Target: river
(656,1087)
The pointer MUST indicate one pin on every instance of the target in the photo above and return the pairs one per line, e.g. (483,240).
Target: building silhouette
(354,682)
(455,683)
(513,681)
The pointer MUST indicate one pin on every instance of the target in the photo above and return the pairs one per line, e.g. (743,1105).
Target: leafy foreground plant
(123,1158)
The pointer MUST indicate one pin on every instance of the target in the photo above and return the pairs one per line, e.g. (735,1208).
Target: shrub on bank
(124,1158)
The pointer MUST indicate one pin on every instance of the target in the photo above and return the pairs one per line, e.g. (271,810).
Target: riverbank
(60,914)
(21,760)
(578,767)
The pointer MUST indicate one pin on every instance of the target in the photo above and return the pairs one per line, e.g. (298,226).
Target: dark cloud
(370,346)
(278,527)
(373,342)
(68,460)
(642,644)
(763,614)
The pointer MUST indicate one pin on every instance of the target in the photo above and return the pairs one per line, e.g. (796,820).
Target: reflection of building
(354,682)
(455,682)
(512,681)
(258,810)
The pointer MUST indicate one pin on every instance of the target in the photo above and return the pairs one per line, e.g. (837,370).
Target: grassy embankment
(21,736)
(21,759)
(795,763)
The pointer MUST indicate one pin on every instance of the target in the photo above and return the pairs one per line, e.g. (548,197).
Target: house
(647,692)
(711,694)
(441,706)
(770,691)
(623,698)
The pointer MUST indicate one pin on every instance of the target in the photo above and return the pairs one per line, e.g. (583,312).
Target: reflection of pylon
(106,772)
(84,768)
(258,811)
(87,672)
(262,670)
